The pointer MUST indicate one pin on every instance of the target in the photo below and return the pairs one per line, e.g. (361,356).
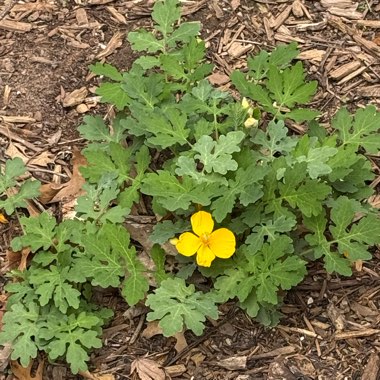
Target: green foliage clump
(288,199)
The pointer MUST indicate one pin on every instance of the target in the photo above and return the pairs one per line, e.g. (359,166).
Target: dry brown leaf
(13,151)
(5,353)
(75,97)
(153,329)
(42,159)
(73,187)
(16,258)
(48,191)
(218,79)
(147,369)
(22,373)
(181,343)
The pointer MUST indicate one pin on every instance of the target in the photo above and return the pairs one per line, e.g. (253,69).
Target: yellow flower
(205,242)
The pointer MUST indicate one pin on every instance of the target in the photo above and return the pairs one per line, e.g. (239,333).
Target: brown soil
(331,326)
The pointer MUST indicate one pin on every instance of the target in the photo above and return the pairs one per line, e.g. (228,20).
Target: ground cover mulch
(331,325)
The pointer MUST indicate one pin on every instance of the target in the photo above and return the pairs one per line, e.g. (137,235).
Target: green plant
(288,199)
(8,181)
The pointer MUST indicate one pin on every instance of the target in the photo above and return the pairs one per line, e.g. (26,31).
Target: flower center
(205,238)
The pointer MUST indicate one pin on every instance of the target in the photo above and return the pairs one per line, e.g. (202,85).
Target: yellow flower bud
(251,122)
(244,103)
(173,241)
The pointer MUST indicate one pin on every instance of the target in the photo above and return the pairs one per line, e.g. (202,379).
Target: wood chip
(237,49)
(352,75)
(369,91)
(217,9)
(15,26)
(369,23)
(6,95)
(75,97)
(369,46)
(117,15)
(114,43)
(349,13)
(17,119)
(344,70)
(281,18)
(315,26)
(312,55)
(175,370)
(343,4)
(355,334)
(81,16)
(297,9)
(235,4)
(233,363)
(371,370)
(287,350)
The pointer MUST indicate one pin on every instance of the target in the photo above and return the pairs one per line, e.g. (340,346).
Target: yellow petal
(188,244)
(222,243)
(244,103)
(251,122)
(202,223)
(3,219)
(204,256)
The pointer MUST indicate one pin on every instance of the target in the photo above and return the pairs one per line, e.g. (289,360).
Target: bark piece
(344,70)
(371,370)
(15,26)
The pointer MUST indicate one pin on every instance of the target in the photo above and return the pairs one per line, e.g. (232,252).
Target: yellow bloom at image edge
(205,242)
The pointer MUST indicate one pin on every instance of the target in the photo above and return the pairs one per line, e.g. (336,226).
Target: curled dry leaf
(147,369)
(72,188)
(22,373)
(48,191)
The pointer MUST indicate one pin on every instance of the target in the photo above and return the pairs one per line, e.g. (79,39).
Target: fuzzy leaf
(144,40)
(275,140)
(52,284)
(245,187)
(306,195)
(106,70)
(216,156)
(177,306)
(174,194)
(360,130)
(20,328)
(39,233)
(114,93)
(71,336)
